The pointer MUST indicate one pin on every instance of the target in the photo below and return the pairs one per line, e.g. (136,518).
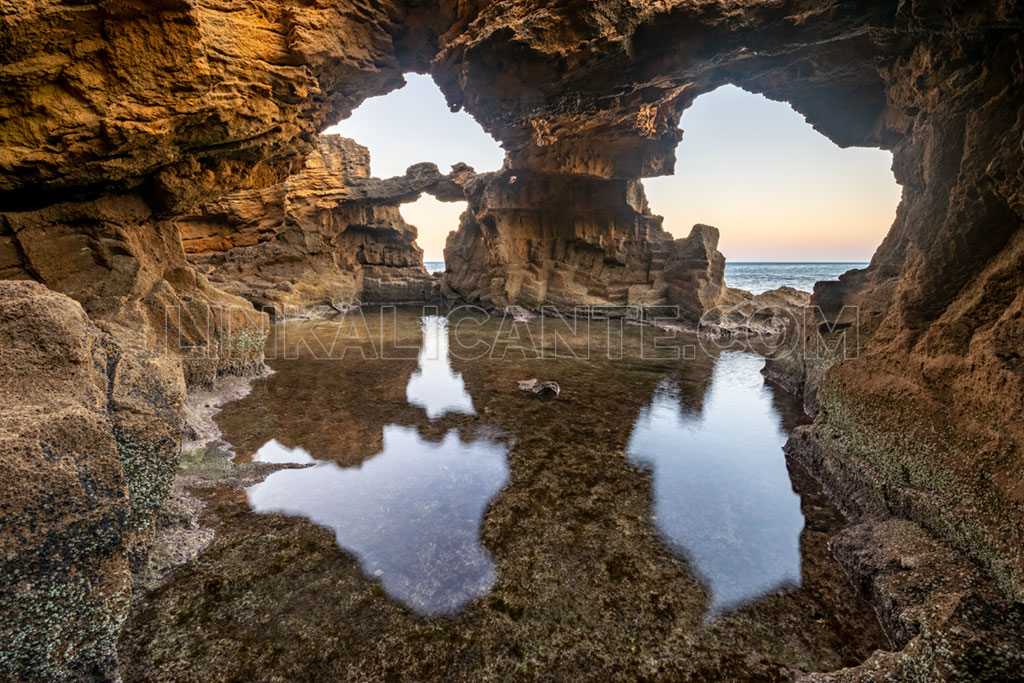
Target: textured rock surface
(88,441)
(535,240)
(180,97)
(329,235)
(120,116)
(127,268)
(944,615)
(930,400)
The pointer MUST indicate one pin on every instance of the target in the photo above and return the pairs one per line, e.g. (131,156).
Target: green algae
(586,589)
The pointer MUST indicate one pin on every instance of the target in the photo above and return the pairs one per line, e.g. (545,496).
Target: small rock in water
(549,388)
(518,313)
(544,388)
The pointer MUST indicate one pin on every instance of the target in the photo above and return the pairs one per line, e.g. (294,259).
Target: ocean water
(760,277)
(757,278)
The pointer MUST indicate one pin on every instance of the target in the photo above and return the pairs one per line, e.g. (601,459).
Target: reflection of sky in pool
(722,493)
(275,452)
(434,386)
(411,513)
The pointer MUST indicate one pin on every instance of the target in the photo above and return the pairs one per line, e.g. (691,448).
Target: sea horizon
(758,277)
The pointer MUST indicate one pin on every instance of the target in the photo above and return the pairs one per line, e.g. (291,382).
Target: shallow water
(410,513)
(431,520)
(722,494)
(434,386)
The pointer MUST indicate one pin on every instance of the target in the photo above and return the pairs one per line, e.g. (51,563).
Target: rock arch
(121,117)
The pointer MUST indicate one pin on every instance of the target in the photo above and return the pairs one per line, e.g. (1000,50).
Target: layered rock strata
(115,117)
(563,241)
(330,235)
(120,117)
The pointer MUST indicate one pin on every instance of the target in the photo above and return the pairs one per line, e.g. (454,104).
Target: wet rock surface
(123,116)
(586,587)
(946,617)
(88,444)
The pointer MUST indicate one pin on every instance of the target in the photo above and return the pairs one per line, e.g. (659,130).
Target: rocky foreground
(162,160)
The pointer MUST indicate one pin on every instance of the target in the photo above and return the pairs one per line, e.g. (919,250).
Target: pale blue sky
(777,189)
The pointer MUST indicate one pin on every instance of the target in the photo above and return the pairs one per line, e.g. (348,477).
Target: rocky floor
(586,588)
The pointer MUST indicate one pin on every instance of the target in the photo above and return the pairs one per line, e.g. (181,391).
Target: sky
(755,169)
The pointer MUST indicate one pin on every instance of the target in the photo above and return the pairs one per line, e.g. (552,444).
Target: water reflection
(722,493)
(275,452)
(411,513)
(434,386)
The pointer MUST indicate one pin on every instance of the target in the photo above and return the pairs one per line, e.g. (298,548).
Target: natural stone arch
(874,74)
(167,105)
(329,236)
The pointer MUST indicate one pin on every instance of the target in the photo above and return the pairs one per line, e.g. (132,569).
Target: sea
(759,277)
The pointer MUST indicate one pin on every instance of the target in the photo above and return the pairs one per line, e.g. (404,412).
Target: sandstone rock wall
(180,98)
(127,268)
(89,437)
(329,235)
(120,117)
(116,117)
(925,412)
(536,240)
(923,418)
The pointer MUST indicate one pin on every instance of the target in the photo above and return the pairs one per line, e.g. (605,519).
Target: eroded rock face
(923,416)
(89,437)
(944,615)
(536,240)
(121,117)
(127,268)
(328,236)
(926,407)
(186,98)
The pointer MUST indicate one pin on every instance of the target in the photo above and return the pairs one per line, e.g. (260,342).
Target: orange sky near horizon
(755,169)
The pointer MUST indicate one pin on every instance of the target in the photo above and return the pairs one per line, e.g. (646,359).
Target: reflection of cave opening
(413,125)
(778,191)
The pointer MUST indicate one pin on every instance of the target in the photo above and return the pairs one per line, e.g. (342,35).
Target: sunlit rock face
(330,235)
(122,116)
(117,118)
(191,96)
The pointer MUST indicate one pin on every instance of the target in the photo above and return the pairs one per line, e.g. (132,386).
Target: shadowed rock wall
(120,117)
(923,416)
